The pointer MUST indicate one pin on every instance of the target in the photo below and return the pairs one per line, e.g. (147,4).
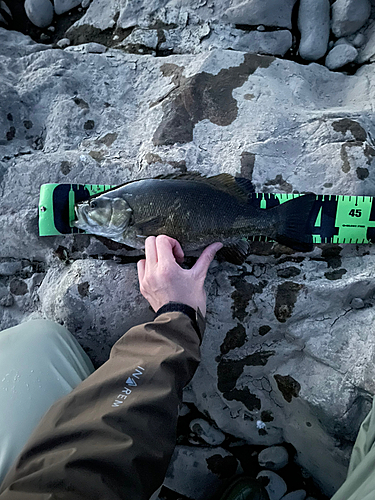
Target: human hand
(163,280)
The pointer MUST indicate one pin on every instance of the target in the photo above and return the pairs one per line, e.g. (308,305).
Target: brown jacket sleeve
(113,436)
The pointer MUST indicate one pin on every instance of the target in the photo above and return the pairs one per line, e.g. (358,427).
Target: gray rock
(64,42)
(207,432)
(191,470)
(314,25)
(273,458)
(266,12)
(183,410)
(62,6)
(295,495)
(367,51)
(10,267)
(85,3)
(341,55)
(273,483)
(357,303)
(359,40)
(40,12)
(269,119)
(342,41)
(348,16)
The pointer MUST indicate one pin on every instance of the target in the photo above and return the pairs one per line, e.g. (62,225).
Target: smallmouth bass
(195,210)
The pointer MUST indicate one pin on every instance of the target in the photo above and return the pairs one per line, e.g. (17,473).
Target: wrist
(195,315)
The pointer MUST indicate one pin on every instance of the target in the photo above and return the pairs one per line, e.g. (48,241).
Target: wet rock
(62,6)
(9,268)
(207,432)
(273,483)
(40,12)
(196,472)
(348,16)
(314,25)
(341,55)
(266,12)
(295,495)
(273,458)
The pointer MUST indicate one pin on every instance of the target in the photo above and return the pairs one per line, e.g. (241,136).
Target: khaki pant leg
(40,362)
(360,482)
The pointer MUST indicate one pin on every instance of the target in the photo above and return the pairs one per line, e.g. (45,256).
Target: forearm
(113,436)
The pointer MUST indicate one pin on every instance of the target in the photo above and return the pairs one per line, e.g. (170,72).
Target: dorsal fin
(224,182)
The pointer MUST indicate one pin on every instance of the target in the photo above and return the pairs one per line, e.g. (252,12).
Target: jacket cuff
(196,316)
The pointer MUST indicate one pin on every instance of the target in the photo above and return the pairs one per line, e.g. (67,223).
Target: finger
(168,247)
(204,261)
(151,251)
(141,266)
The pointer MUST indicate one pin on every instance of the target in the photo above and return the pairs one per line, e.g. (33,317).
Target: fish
(195,210)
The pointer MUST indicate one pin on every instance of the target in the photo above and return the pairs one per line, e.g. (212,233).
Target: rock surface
(283,330)
(314,25)
(348,16)
(198,472)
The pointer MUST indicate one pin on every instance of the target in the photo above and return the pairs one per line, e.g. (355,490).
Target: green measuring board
(332,219)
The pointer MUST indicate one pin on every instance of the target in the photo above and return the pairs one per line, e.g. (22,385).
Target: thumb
(204,261)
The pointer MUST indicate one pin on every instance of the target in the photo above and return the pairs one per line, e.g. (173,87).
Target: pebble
(62,6)
(295,495)
(85,3)
(207,432)
(274,457)
(10,268)
(261,28)
(341,55)
(51,28)
(342,41)
(276,487)
(359,40)
(357,303)
(64,42)
(348,16)
(40,12)
(183,410)
(314,25)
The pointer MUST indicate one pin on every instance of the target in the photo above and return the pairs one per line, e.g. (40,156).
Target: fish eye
(93,204)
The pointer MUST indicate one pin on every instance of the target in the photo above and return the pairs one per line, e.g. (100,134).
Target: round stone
(357,303)
(207,432)
(64,42)
(40,12)
(273,483)
(341,55)
(295,495)
(274,457)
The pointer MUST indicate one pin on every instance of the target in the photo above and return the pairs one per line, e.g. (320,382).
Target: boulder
(314,25)
(62,6)
(348,16)
(40,12)
(265,12)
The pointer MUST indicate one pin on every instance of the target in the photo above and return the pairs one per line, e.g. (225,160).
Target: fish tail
(294,223)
